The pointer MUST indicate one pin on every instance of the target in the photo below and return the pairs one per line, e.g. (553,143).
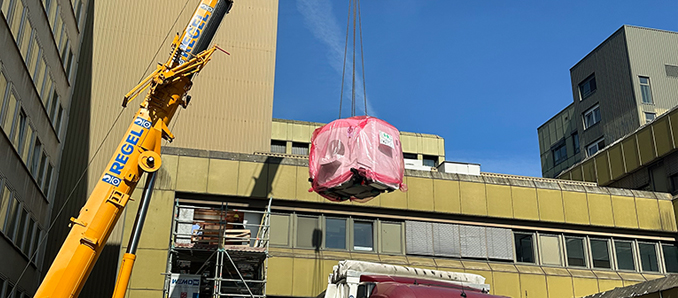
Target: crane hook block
(149,161)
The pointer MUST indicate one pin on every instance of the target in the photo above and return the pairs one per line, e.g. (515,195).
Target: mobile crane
(138,153)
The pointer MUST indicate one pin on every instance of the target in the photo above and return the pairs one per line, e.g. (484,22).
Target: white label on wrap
(385,139)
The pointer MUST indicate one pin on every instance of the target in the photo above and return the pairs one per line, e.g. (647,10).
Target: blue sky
(481,74)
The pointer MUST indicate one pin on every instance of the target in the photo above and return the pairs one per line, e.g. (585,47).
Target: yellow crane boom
(137,153)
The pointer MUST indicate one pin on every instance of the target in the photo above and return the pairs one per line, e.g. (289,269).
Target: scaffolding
(214,244)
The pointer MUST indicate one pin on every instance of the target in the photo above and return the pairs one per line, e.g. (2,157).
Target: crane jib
(112,176)
(194,30)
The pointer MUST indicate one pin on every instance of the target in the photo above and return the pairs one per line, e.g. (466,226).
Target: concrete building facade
(40,43)
(625,82)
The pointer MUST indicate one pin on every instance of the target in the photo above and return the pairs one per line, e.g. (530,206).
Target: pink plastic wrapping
(356,159)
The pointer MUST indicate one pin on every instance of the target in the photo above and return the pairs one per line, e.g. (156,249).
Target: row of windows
(17,223)
(21,133)
(7,290)
(594,252)
(336,233)
(588,87)
(476,242)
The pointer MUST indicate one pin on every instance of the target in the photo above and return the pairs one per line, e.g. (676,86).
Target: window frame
(591,111)
(295,240)
(556,148)
(647,86)
(657,257)
(654,116)
(560,249)
(346,233)
(380,237)
(351,244)
(634,254)
(584,251)
(535,249)
(585,82)
(597,144)
(609,253)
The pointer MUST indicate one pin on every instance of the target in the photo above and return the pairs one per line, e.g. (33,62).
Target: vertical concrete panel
(429,146)
(396,199)
(148,269)
(576,174)
(278,130)
(673,119)
(302,187)
(419,194)
(662,136)
(600,209)
(506,284)
(282,179)
(192,174)
(648,214)
(584,286)
(409,143)
(473,199)
(222,177)
(646,145)
(307,277)
(532,285)
(499,202)
(616,161)
(624,209)
(589,170)
(559,287)
(550,205)
(609,284)
(602,168)
(252,179)
(280,276)
(576,207)
(167,174)
(446,196)
(668,216)
(524,203)
(631,158)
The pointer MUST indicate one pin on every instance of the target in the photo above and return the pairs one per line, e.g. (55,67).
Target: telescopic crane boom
(138,153)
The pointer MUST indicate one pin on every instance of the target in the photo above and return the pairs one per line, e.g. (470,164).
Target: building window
(308,232)
(587,87)
(363,238)
(649,117)
(8,112)
(410,156)
(550,250)
(600,253)
(648,257)
(670,257)
(524,247)
(591,116)
(335,233)
(12,217)
(430,161)
(280,229)
(595,147)
(278,146)
(5,200)
(575,251)
(391,237)
(645,90)
(559,153)
(575,142)
(299,148)
(624,250)
(19,132)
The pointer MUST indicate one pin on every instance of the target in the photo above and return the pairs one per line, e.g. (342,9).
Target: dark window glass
(624,255)
(430,161)
(648,257)
(559,154)
(300,148)
(409,155)
(645,90)
(575,251)
(587,87)
(524,248)
(600,253)
(278,146)
(362,236)
(670,257)
(575,142)
(335,233)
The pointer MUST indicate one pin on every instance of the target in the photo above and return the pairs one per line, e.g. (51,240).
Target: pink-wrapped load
(356,159)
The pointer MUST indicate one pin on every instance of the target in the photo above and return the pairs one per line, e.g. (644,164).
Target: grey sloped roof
(643,288)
